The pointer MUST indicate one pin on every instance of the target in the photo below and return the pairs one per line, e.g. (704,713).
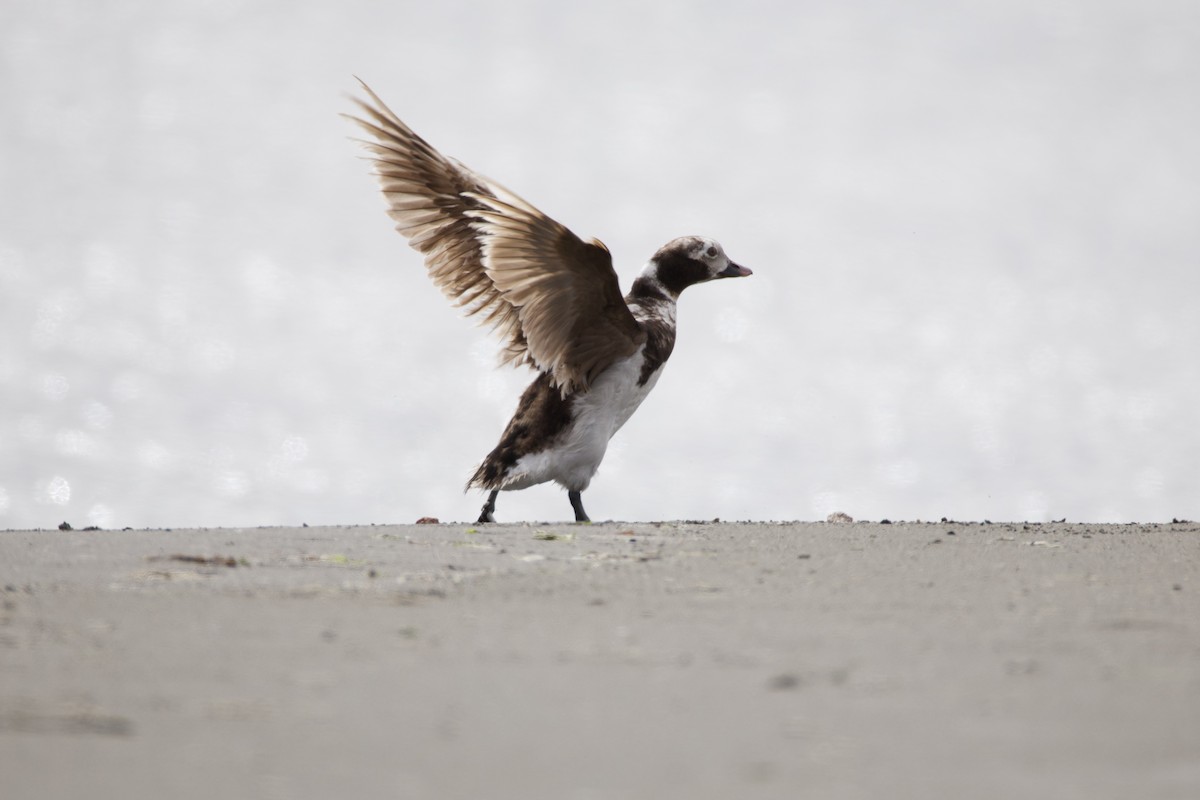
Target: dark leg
(577,504)
(485,514)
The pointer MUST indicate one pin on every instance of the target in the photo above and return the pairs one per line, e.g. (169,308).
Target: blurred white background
(975,230)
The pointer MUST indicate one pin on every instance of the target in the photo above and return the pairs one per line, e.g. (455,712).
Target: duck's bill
(734,271)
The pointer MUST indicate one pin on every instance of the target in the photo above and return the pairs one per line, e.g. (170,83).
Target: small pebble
(783,682)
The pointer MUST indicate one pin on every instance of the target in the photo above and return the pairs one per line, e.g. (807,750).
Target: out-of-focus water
(975,231)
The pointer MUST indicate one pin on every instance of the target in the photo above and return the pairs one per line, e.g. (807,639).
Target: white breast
(598,414)
(615,396)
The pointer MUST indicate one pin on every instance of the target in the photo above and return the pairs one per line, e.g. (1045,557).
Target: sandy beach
(615,660)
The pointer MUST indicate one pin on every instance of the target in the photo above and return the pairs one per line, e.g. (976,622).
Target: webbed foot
(486,514)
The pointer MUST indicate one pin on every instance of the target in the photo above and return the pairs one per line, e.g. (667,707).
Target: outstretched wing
(553,298)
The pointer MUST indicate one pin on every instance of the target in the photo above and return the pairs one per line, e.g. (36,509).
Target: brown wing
(553,298)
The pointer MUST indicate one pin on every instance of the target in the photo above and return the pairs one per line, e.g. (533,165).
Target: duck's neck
(647,290)
(653,306)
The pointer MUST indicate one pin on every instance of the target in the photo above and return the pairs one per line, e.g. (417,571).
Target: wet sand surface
(616,660)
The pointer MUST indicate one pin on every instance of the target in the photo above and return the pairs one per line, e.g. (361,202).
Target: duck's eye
(710,253)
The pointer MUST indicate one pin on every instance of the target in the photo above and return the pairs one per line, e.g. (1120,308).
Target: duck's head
(691,259)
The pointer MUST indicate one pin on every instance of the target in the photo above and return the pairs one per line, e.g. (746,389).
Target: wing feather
(553,299)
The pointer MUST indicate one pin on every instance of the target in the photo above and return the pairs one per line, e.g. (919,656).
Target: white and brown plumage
(553,298)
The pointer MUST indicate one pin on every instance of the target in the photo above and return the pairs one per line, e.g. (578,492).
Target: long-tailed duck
(551,296)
